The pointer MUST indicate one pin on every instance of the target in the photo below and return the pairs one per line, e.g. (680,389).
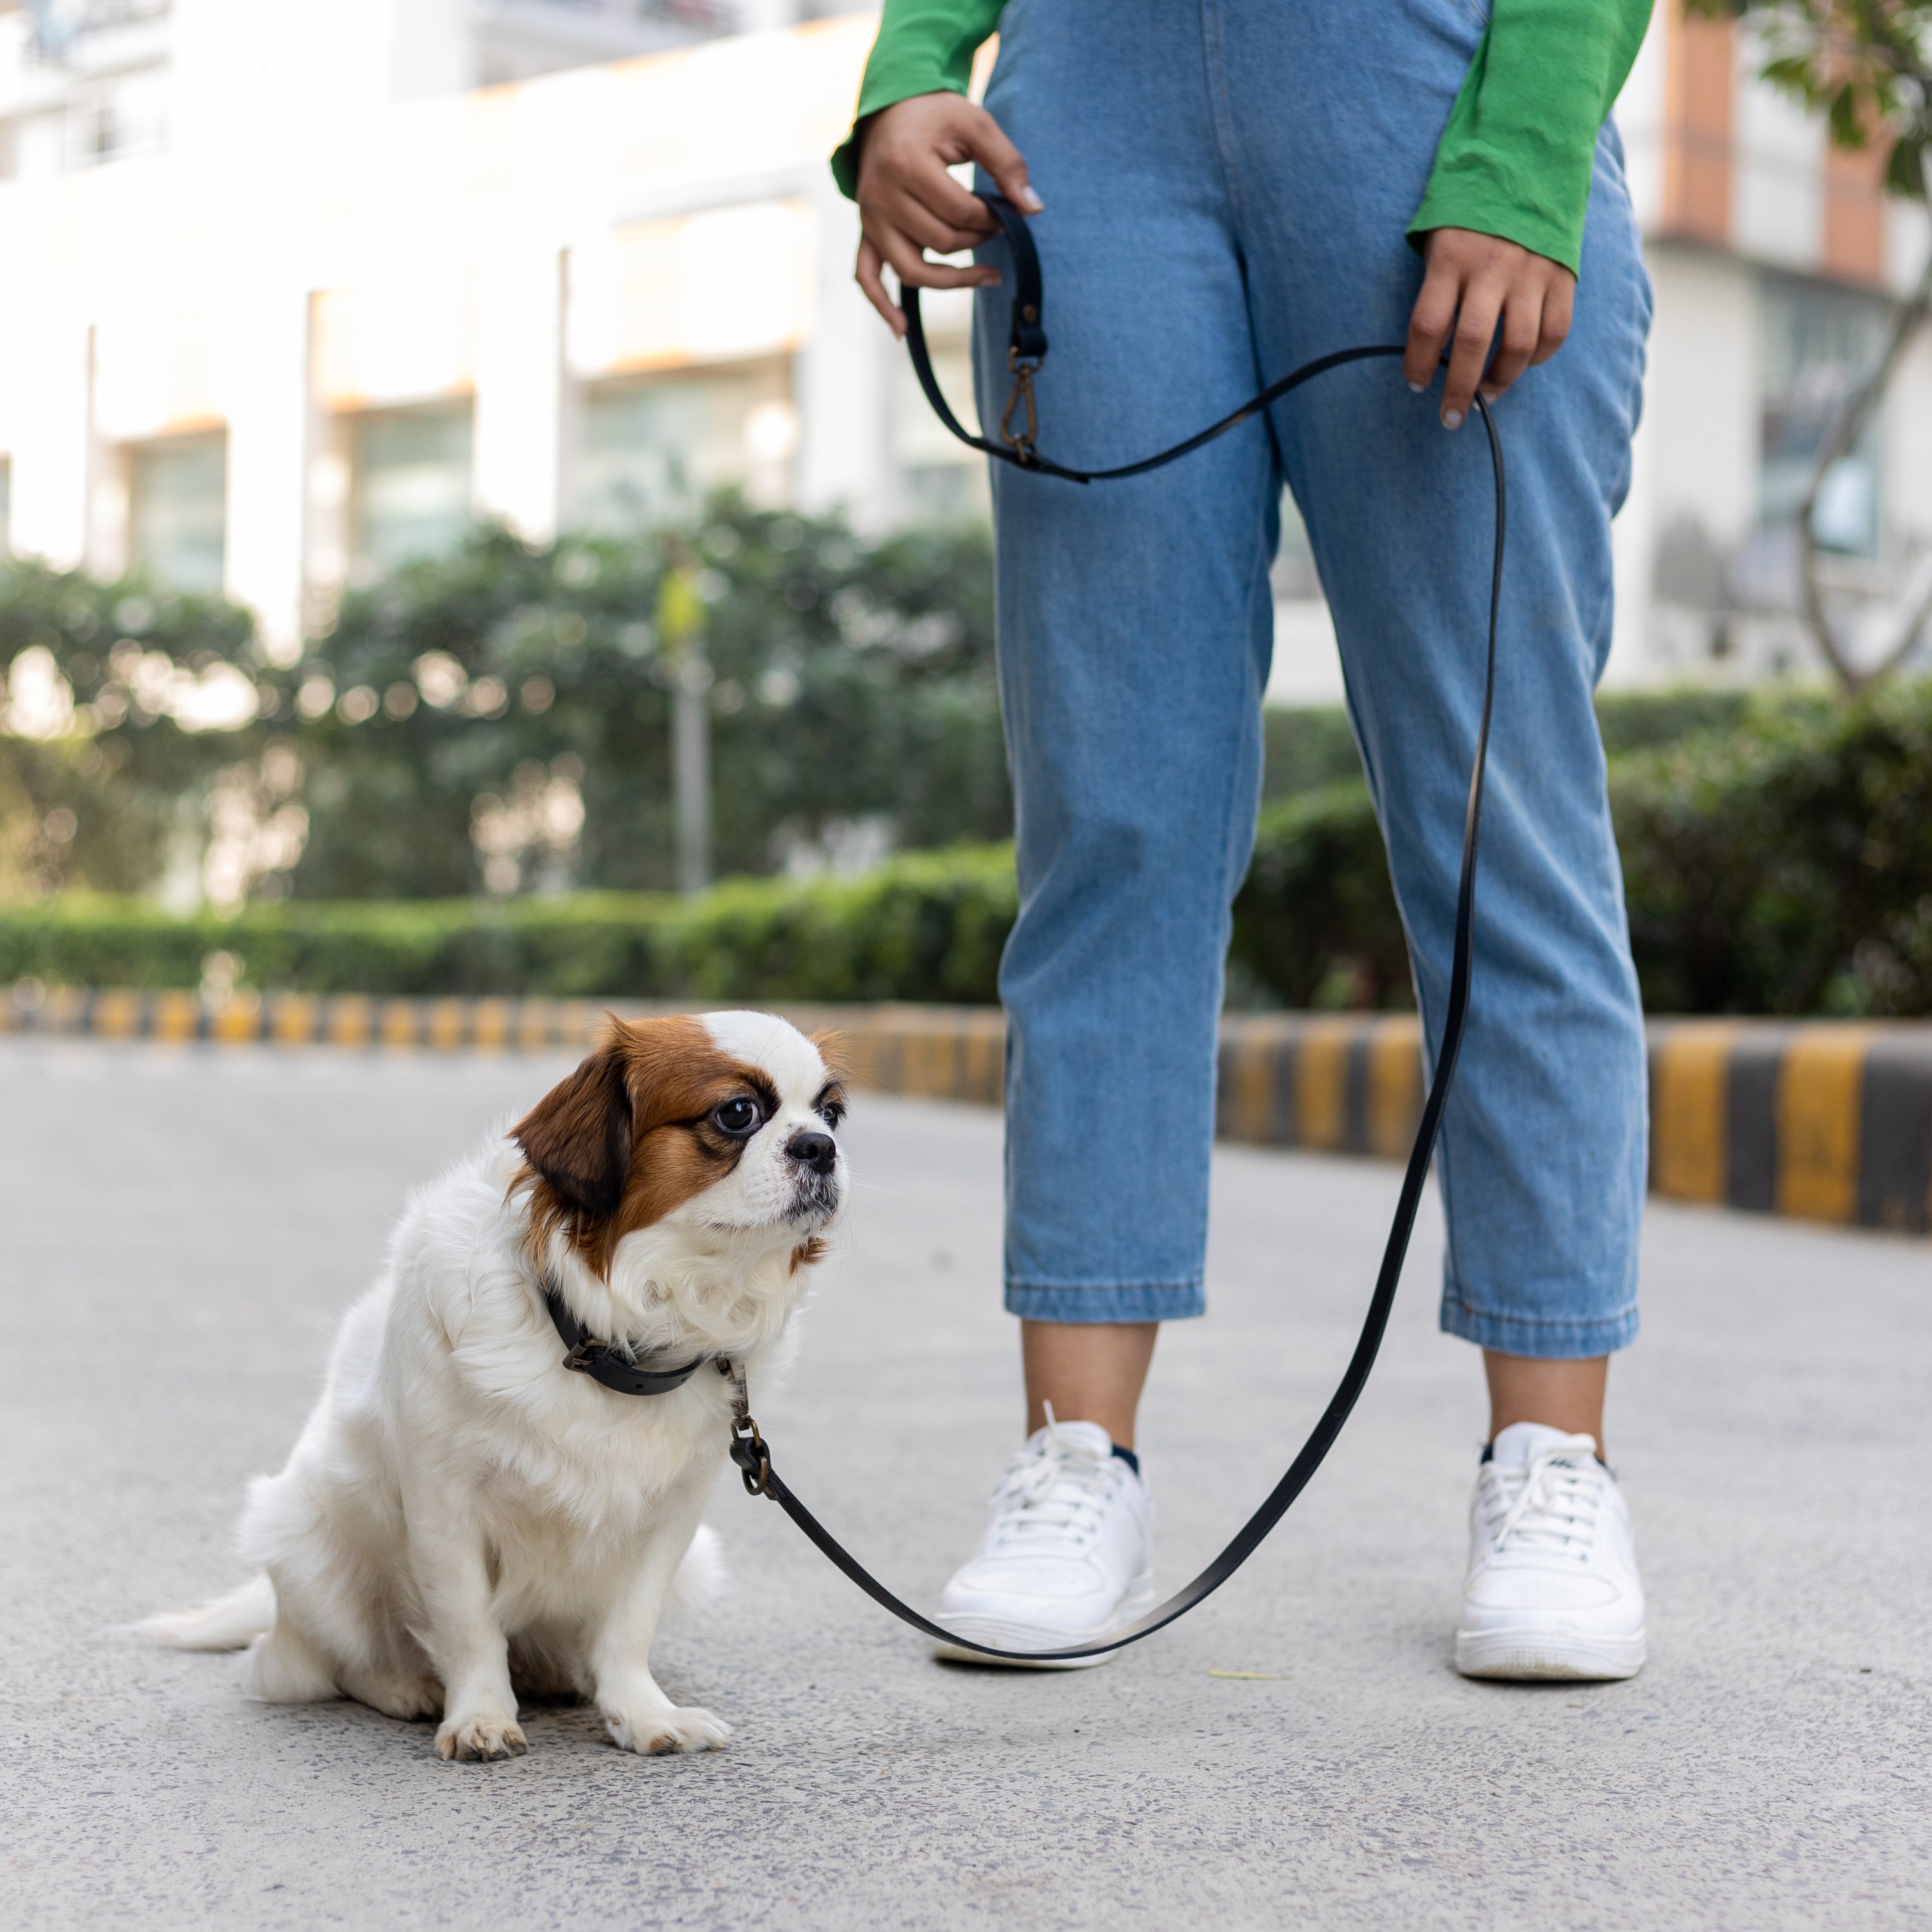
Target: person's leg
(1542,1161)
(1088,1372)
(1134,631)
(1542,1157)
(1560,1395)
(1135,622)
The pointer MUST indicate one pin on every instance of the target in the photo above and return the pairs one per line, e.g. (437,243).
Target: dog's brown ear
(577,1137)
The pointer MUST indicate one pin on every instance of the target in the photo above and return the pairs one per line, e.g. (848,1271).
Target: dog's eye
(738,1118)
(832,1111)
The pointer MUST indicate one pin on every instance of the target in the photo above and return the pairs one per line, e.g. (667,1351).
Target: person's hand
(1472,282)
(908,202)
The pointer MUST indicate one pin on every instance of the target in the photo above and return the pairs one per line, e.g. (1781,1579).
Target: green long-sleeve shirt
(1514,160)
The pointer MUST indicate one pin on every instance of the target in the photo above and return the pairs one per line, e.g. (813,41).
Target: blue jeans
(1226,184)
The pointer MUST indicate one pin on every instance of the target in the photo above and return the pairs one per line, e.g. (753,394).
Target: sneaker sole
(1005,1635)
(1531,1656)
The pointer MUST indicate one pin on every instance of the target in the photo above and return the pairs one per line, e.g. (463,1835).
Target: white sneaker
(1067,1554)
(1552,1588)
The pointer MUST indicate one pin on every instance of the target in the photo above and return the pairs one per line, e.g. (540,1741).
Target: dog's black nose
(818,1151)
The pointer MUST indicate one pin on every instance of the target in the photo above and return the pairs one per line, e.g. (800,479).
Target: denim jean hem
(1106,1301)
(1541,1340)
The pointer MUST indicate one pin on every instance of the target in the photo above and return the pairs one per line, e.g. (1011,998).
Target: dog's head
(723,1128)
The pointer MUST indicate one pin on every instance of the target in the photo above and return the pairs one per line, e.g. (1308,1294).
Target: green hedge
(1315,923)
(1779,862)
(927,926)
(1785,866)
(1309,746)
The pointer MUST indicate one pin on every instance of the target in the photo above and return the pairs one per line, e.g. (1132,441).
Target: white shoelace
(1056,1493)
(1557,1506)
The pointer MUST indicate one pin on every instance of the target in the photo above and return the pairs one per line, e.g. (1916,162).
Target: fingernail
(1416,388)
(1030,202)
(1489,395)
(1452,418)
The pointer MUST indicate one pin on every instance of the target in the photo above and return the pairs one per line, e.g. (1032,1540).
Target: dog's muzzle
(814,1159)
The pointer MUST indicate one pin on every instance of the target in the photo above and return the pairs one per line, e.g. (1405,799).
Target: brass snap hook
(748,1452)
(748,1446)
(1020,443)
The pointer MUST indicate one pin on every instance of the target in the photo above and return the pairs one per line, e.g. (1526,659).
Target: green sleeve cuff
(924,46)
(1516,158)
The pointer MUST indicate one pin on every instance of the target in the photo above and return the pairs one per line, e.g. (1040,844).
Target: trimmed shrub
(1315,922)
(1781,864)
(1638,720)
(1306,747)
(929,926)
(1785,866)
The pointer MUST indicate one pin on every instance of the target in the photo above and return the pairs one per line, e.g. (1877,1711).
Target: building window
(1816,344)
(650,449)
(177,511)
(408,491)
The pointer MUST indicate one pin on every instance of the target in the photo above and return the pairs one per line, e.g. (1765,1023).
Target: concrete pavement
(183,1225)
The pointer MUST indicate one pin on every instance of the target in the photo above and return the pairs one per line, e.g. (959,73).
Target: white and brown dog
(462,1514)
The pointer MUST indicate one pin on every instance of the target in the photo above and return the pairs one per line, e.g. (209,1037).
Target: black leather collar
(603,1364)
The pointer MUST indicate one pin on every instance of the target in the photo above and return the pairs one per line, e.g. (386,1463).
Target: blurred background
(458,510)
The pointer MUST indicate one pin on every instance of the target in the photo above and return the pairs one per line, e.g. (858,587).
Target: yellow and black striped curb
(934,1052)
(1339,1084)
(1824,1120)
(1827,1121)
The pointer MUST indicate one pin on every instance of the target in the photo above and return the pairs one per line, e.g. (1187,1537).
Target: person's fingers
(906,262)
(1004,163)
(906,214)
(1522,331)
(942,275)
(1469,349)
(867,275)
(1431,319)
(1559,303)
(932,187)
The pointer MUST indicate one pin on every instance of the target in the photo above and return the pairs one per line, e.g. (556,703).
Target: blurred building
(295,290)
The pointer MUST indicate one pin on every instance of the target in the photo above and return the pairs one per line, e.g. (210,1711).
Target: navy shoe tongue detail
(1127,1456)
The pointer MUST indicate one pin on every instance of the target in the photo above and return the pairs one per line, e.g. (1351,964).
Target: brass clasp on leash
(748,1447)
(1020,443)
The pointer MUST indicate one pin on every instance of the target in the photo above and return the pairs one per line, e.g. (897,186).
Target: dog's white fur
(460,1507)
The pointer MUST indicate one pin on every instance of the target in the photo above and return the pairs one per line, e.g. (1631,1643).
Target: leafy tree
(500,718)
(105,771)
(502,715)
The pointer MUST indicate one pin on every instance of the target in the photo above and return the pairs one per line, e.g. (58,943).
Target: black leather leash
(1026,351)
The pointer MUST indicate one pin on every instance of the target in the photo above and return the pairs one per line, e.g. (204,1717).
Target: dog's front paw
(656,1733)
(486,1735)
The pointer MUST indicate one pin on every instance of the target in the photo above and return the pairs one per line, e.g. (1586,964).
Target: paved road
(182,1227)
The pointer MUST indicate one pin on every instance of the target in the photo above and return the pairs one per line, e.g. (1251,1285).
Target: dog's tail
(700,1578)
(228,1623)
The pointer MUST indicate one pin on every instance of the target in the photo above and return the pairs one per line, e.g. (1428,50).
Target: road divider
(1824,1120)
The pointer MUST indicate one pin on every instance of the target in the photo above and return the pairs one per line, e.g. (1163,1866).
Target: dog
(462,1516)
